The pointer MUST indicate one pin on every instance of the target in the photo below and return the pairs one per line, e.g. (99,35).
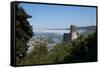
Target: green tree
(23,32)
(92,47)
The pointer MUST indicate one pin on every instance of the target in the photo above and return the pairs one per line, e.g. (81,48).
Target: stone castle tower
(72,35)
(73,32)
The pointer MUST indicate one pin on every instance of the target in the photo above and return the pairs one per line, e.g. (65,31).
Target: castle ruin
(72,35)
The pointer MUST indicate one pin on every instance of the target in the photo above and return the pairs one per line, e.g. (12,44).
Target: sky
(57,16)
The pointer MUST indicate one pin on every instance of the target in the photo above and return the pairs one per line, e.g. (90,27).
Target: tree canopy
(24,32)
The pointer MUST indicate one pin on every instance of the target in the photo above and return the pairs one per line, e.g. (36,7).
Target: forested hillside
(79,50)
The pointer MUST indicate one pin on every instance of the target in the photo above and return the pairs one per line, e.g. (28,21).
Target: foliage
(92,47)
(23,32)
(84,49)
(79,50)
(39,55)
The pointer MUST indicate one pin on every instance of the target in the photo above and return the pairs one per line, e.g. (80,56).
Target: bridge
(78,28)
(73,31)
